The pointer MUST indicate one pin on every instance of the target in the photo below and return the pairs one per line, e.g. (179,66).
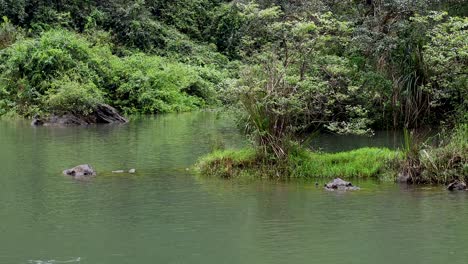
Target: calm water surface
(163,214)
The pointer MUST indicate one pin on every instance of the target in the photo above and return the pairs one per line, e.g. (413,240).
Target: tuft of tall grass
(442,164)
(448,162)
(411,164)
(228,163)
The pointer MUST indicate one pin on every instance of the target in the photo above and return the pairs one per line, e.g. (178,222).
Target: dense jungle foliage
(346,66)
(288,67)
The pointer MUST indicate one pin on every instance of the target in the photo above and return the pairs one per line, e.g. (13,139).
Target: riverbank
(301,163)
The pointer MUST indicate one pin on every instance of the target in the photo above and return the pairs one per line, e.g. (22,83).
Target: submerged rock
(339,184)
(103,114)
(123,171)
(457,186)
(81,171)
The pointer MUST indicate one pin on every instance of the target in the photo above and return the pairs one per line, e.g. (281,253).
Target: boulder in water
(102,114)
(107,114)
(339,184)
(81,171)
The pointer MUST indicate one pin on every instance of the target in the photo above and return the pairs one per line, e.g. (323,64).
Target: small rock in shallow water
(131,171)
(341,185)
(80,171)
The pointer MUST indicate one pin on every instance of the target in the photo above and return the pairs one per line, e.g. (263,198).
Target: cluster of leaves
(8,33)
(61,71)
(396,39)
(150,84)
(446,55)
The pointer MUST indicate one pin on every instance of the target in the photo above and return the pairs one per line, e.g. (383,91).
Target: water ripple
(53,261)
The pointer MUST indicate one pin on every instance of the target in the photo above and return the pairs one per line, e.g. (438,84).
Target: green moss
(302,163)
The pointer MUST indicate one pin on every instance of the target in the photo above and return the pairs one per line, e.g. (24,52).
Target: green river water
(164,214)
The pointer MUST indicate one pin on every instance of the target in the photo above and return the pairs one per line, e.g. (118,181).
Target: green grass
(361,163)
(229,163)
(442,164)
(301,163)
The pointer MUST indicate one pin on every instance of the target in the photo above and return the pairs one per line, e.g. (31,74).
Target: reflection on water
(335,143)
(393,139)
(53,261)
(163,214)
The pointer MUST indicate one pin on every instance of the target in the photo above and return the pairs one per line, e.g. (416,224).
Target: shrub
(31,66)
(60,66)
(8,33)
(150,84)
(66,96)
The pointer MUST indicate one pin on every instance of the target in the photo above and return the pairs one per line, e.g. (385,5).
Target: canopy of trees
(345,66)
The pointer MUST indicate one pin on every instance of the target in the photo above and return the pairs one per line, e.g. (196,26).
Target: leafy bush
(133,26)
(31,66)
(446,56)
(183,49)
(61,66)
(8,33)
(66,96)
(150,84)
(47,18)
